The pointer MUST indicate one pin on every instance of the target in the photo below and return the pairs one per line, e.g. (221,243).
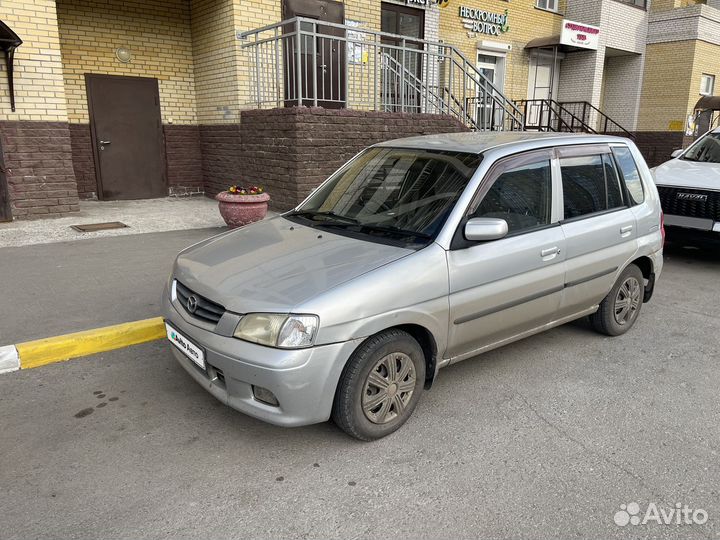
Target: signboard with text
(580,35)
(480,21)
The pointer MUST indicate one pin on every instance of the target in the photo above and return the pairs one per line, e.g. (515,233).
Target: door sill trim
(517,337)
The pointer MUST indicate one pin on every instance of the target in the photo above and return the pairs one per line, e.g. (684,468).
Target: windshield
(391,193)
(706,150)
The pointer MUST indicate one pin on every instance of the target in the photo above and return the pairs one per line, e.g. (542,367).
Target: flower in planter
(253,190)
(238,211)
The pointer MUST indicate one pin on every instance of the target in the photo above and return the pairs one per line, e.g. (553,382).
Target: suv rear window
(630,173)
(590,185)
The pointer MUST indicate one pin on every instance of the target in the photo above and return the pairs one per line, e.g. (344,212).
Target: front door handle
(103,143)
(550,253)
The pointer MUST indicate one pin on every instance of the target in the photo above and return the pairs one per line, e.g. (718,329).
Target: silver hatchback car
(416,254)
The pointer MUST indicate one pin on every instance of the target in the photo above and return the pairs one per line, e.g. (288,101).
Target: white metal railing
(307,62)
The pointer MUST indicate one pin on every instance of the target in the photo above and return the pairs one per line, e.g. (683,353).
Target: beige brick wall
(215,53)
(526,23)
(664,98)
(671,85)
(158,34)
(706,60)
(249,15)
(666,5)
(39,89)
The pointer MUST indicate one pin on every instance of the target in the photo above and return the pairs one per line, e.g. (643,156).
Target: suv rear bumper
(303,380)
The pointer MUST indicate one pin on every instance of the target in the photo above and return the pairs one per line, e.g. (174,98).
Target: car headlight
(278,329)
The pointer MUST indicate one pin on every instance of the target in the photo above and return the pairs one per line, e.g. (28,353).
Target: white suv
(689,187)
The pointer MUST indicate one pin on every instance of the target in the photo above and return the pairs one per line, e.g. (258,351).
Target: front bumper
(694,236)
(303,380)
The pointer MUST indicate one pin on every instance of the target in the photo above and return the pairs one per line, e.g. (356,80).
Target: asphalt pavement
(58,288)
(544,438)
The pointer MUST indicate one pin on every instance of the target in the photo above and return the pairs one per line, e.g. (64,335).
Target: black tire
(609,318)
(375,355)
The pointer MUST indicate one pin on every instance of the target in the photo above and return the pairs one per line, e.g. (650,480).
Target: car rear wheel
(380,386)
(620,308)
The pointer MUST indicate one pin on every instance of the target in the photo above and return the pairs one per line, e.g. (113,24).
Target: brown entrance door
(126,130)
(326,74)
(5,210)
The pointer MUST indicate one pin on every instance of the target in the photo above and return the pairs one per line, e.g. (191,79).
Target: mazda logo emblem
(192,303)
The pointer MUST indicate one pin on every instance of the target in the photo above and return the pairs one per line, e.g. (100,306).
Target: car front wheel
(380,386)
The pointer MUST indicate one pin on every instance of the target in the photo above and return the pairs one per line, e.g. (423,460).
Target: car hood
(276,264)
(688,174)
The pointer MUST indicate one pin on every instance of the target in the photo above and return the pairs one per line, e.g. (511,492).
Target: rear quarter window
(630,174)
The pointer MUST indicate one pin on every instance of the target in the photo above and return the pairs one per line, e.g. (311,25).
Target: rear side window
(630,173)
(521,196)
(590,185)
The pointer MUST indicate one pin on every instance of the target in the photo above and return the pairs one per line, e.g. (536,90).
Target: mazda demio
(416,254)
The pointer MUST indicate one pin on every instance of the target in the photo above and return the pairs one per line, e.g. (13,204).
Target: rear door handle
(627,229)
(549,251)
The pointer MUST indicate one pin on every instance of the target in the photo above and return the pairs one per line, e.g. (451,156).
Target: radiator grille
(205,309)
(684,202)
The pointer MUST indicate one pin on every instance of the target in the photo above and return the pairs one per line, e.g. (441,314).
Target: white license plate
(689,222)
(187,347)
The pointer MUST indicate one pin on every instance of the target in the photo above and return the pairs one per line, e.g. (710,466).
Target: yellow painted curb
(60,348)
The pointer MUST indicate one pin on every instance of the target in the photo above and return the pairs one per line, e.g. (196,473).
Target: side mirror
(676,153)
(485,229)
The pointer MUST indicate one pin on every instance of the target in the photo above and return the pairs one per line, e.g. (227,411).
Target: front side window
(391,194)
(630,173)
(590,185)
(521,196)
(706,150)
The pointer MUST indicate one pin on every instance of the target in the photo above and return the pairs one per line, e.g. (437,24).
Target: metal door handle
(103,143)
(550,251)
(626,229)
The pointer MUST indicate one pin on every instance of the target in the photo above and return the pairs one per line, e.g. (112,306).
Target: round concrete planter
(238,210)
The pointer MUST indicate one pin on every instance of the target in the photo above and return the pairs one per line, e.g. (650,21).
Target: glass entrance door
(402,67)
(542,85)
(488,113)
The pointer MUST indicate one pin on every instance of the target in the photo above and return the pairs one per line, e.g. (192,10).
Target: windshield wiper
(311,214)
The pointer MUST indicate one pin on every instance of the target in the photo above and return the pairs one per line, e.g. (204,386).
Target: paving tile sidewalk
(145,216)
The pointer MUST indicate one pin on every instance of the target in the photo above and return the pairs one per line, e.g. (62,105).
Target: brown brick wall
(39,165)
(83,160)
(184,159)
(220,148)
(290,151)
(656,146)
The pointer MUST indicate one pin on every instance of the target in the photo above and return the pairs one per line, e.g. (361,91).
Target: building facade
(117,99)
(683,61)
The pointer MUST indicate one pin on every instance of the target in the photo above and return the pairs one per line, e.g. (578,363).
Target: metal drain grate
(92,227)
